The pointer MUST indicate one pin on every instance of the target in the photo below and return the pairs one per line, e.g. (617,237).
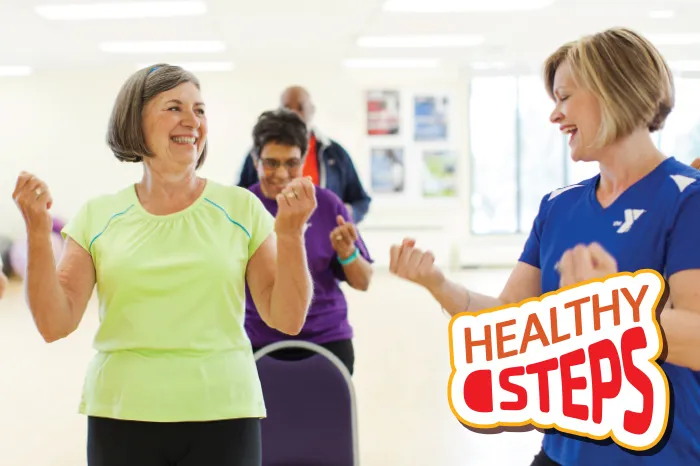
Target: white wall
(54,126)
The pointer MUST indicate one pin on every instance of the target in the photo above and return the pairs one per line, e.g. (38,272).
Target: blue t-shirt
(655,224)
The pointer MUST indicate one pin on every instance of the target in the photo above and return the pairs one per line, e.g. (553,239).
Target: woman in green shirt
(174,380)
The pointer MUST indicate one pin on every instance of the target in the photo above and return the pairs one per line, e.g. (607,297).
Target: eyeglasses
(274,164)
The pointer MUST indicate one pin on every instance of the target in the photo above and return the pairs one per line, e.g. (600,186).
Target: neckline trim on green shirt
(162,218)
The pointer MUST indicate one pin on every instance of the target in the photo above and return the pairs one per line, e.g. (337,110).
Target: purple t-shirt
(327,319)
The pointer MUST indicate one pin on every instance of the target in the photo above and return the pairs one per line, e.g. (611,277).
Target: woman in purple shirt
(335,250)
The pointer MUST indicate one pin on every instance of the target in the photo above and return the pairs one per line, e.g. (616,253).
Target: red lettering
(637,423)
(478,391)
(542,369)
(569,384)
(601,390)
(507,385)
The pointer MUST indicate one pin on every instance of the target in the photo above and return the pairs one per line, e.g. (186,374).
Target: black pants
(541,459)
(112,442)
(343,349)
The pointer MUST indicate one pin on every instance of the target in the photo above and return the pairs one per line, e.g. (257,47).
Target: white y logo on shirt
(630,216)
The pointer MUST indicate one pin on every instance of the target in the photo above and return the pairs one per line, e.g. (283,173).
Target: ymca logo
(631,215)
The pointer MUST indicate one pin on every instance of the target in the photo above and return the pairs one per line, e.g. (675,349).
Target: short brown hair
(125,130)
(628,74)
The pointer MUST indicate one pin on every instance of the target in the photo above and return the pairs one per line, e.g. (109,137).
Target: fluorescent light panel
(15,70)
(460,6)
(146,47)
(121,10)
(199,66)
(419,41)
(486,66)
(684,65)
(675,38)
(390,63)
(661,14)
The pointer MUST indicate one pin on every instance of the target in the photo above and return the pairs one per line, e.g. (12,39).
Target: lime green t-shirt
(171,345)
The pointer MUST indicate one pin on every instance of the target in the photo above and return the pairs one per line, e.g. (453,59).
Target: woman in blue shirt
(611,90)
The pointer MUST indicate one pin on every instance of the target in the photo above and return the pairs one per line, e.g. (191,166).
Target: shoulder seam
(228,216)
(118,214)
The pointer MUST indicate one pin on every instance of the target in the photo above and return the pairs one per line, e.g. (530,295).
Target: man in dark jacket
(327,163)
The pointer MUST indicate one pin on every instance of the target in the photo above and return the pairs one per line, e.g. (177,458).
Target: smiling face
(175,126)
(277,165)
(577,112)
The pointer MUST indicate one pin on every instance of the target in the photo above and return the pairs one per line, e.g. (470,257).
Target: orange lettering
(555,328)
(577,309)
(500,339)
(533,321)
(635,303)
(598,310)
(486,342)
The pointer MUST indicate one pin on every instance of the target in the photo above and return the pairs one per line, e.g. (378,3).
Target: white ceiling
(325,32)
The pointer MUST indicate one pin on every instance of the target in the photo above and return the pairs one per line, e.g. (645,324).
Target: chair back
(311,409)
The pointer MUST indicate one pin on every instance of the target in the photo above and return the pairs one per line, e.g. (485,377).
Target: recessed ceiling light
(145,47)
(199,66)
(15,70)
(420,41)
(661,14)
(390,63)
(459,6)
(121,10)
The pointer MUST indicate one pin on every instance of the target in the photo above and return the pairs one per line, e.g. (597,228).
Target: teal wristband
(350,259)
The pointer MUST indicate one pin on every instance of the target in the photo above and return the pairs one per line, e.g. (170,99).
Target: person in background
(335,251)
(327,162)
(3,280)
(585,231)
(695,164)
(174,380)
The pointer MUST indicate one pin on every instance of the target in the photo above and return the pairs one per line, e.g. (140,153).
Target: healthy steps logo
(581,360)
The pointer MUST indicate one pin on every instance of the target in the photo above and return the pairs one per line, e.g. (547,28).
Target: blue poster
(430,118)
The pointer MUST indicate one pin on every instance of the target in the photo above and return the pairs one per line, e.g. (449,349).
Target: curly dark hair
(280,126)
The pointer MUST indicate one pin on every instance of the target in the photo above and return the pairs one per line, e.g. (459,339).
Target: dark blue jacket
(336,173)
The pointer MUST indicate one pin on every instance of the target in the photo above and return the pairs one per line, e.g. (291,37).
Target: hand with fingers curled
(34,201)
(296,203)
(343,238)
(585,262)
(415,265)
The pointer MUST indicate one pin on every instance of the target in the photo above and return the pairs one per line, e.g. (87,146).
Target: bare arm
(358,273)
(681,324)
(419,267)
(57,296)
(280,283)
(523,283)
(3,284)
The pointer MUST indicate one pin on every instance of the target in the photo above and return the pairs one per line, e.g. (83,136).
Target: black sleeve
(248,176)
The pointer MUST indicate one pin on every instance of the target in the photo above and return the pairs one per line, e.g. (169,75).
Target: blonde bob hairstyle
(125,135)
(626,72)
